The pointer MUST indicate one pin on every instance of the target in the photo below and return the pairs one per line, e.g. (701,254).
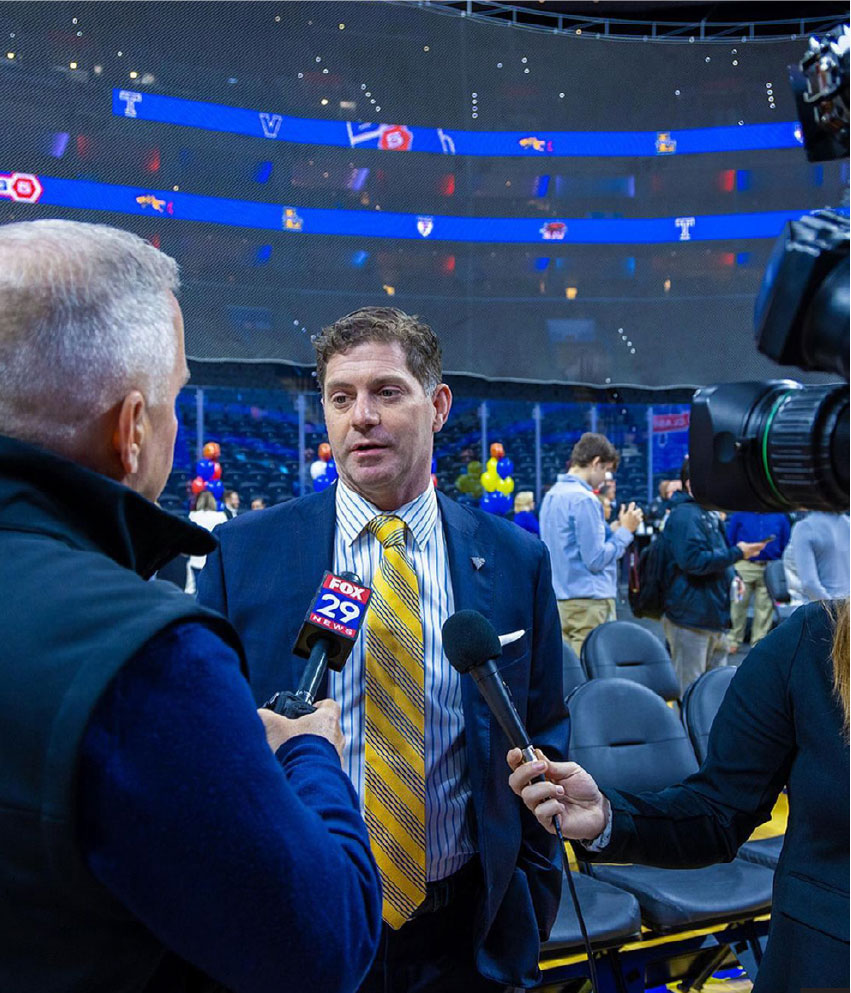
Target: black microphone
(326,639)
(472,645)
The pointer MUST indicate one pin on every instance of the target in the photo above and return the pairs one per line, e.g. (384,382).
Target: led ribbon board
(145,202)
(271,126)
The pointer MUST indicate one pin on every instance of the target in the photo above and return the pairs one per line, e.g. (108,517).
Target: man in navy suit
(491,880)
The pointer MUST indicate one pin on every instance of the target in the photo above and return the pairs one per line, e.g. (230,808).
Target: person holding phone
(772,531)
(696,583)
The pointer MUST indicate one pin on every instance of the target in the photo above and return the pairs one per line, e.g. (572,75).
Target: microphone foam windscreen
(469,639)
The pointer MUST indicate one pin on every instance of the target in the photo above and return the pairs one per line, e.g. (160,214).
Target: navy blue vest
(76,550)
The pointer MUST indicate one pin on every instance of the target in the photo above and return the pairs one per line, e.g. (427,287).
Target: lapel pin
(477,562)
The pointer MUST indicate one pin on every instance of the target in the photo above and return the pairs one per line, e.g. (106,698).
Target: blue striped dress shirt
(449,842)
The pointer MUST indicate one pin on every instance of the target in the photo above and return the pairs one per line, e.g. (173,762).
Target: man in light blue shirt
(584,549)
(818,553)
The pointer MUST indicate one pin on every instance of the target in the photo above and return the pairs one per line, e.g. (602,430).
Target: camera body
(777,445)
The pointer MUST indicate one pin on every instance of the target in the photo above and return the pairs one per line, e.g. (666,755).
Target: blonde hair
(205,501)
(525,500)
(841,680)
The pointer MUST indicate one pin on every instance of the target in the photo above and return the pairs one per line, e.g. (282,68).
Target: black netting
(547,309)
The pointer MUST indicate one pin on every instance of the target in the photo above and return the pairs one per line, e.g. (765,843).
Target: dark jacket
(780,724)
(698,567)
(265,573)
(75,552)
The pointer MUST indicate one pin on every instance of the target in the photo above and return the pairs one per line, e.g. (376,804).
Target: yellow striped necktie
(394,786)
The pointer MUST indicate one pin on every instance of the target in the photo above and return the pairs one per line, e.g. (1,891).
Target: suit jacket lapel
(471,586)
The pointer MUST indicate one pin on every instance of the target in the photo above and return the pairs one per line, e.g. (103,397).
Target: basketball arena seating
(572,671)
(701,701)
(624,734)
(627,650)
(775,583)
(627,738)
(700,705)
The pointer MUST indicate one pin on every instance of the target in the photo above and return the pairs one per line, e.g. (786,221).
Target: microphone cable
(595,986)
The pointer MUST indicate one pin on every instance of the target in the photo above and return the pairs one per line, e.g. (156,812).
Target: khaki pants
(753,576)
(694,650)
(580,617)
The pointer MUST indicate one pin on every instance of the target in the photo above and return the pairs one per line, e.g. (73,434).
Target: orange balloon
(212,450)
(325,452)
(497,451)
(198,485)
(434,479)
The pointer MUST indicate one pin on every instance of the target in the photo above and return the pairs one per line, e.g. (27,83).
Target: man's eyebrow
(385,379)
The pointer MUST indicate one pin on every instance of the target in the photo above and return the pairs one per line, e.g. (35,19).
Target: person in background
(258,503)
(784,720)
(231,502)
(696,582)
(748,526)
(607,494)
(157,832)
(659,509)
(584,549)
(818,556)
(524,512)
(208,516)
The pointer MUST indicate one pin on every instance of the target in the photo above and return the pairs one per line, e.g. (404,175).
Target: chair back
(572,673)
(775,581)
(626,650)
(626,736)
(701,701)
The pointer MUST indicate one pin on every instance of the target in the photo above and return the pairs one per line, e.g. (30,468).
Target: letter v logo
(271,124)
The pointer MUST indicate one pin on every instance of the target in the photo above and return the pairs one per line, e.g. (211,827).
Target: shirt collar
(569,477)
(354,512)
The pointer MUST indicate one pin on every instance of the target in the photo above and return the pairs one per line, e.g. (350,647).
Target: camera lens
(770,446)
(801,444)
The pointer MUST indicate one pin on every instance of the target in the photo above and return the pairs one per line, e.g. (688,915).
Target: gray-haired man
(151,835)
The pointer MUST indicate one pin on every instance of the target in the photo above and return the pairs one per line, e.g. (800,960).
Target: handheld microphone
(326,639)
(472,645)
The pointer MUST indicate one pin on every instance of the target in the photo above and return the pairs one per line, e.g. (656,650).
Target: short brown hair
(418,341)
(591,446)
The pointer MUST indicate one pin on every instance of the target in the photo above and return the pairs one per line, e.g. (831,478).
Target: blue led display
(90,195)
(134,105)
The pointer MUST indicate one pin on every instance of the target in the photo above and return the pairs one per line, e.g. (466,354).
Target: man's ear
(442,400)
(130,432)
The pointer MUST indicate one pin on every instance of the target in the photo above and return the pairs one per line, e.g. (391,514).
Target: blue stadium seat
(700,705)
(701,701)
(573,674)
(612,916)
(626,650)
(628,739)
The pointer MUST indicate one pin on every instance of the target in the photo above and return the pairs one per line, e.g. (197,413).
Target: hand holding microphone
(324,721)
(567,793)
(325,639)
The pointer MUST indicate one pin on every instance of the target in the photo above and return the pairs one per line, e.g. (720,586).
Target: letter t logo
(130,99)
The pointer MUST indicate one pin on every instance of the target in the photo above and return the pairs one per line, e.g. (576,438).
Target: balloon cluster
(208,473)
(497,482)
(323,471)
(469,481)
